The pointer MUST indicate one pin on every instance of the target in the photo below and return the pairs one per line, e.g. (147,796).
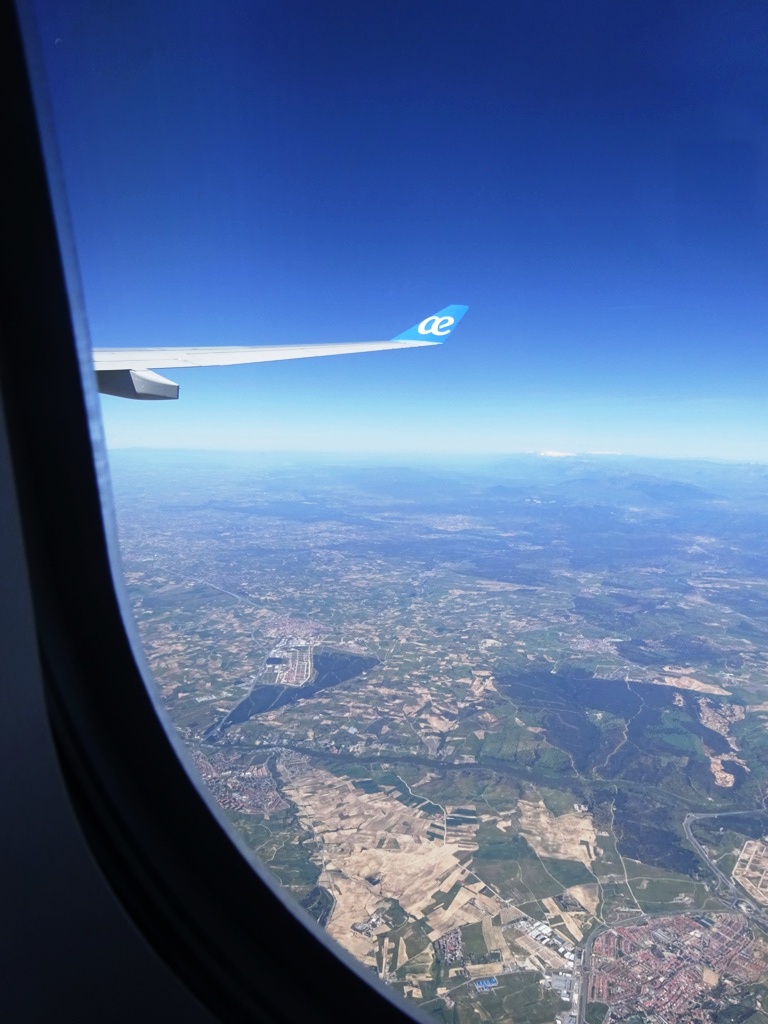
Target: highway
(735,895)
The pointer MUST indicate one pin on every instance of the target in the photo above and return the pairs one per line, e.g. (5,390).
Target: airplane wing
(129,372)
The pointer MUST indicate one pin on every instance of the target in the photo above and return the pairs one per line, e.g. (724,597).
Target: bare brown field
(438,723)
(587,895)
(678,677)
(482,970)
(551,906)
(562,837)
(709,977)
(572,923)
(353,828)
(494,938)
(717,766)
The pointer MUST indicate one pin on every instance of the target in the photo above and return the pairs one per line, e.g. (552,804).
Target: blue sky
(590,178)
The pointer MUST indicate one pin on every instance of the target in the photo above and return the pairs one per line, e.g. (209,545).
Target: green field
(658,893)
(609,862)
(635,869)
(504,876)
(596,1013)
(568,872)
(472,940)
(283,846)
(722,844)
(536,877)
(558,801)
(517,999)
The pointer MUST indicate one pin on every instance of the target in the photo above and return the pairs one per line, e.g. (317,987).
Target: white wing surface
(129,372)
(215,355)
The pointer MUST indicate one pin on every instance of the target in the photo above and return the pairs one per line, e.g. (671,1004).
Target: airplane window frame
(218,925)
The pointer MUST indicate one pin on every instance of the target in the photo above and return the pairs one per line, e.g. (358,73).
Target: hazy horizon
(588,179)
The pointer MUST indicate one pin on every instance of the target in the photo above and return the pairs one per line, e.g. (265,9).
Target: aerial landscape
(498,725)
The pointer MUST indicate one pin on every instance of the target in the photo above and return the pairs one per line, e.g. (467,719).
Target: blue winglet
(436,327)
